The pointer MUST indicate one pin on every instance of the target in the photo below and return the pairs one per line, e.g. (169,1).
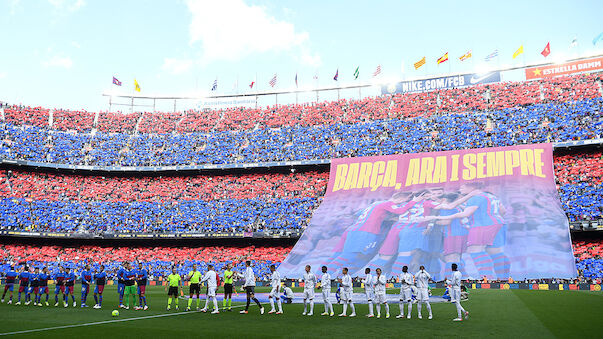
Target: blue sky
(64,53)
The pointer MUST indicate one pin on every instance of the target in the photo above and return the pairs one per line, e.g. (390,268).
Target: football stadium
(268,169)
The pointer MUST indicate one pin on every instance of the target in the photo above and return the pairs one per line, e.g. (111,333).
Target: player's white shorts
(422,294)
(211,291)
(380,298)
(308,294)
(405,294)
(274,292)
(370,294)
(455,294)
(326,295)
(345,295)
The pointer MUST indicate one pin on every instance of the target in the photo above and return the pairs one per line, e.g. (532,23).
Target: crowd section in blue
(192,216)
(519,125)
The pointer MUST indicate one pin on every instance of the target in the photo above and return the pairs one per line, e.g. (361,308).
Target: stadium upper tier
(532,124)
(43,202)
(476,98)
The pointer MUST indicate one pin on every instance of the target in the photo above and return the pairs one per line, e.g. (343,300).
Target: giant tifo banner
(494,212)
(455,81)
(587,65)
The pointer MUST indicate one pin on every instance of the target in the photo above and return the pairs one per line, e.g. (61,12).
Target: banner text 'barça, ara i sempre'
(494,212)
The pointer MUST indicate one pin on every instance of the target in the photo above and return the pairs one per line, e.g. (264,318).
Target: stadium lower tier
(160,260)
(537,123)
(187,216)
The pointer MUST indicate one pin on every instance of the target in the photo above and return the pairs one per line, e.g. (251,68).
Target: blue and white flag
(215,85)
(492,55)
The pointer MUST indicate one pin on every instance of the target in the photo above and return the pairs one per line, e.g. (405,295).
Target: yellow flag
(518,52)
(136,86)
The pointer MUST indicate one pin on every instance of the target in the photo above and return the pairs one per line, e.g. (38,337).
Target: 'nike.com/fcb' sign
(455,81)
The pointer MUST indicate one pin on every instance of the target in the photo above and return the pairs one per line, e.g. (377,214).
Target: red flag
(547,50)
(251,84)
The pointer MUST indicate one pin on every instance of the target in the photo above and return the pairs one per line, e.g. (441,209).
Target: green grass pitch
(493,313)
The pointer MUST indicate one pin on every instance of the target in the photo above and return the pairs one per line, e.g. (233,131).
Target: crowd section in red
(39,186)
(17,253)
(474,98)
(586,167)
(569,169)
(588,249)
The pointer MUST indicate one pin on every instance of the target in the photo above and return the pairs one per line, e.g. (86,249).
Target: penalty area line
(103,322)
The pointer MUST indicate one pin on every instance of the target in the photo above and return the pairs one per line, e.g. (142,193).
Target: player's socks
(56,298)
(311,306)
(224,303)
(198,301)
(95,299)
(271,304)
(386,309)
(176,302)
(459,309)
(169,302)
(144,300)
(409,309)
(19,299)
(215,303)
(400,262)
(229,304)
(483,263)
(190,301)
(100,300)
(280,305)
(352,307)
(305,306)
(248,302)
(345,308)
(501,264)
(378,308)
(401,308)
(370,307)
(428,307)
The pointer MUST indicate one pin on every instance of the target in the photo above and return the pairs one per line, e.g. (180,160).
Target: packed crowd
(496,96)
(159,260)
(34,201)
(532,124)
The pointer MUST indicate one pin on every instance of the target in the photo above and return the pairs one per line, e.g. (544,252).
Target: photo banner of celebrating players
(495,212)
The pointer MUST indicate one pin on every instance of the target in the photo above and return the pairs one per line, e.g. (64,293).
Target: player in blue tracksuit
(86,277)
(100,279)
(43,285)
(23,283)
(69,282)
(9,282)
(142,276)
(121,285)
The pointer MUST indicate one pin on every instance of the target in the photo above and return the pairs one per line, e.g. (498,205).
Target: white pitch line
(103,322)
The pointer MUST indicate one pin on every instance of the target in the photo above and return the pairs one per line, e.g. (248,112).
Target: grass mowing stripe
(103,322)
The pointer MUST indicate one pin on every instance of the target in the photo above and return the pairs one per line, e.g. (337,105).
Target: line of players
(375,291)
(131,283)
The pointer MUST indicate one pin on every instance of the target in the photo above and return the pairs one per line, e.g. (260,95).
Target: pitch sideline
(103,322)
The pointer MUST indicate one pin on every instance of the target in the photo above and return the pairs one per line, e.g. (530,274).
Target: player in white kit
(406,281)
(369,290)
(309,284)
(455,295)
(347,289)
(325,287)
(422,283)
(275,283)
(379,282)
(212,285)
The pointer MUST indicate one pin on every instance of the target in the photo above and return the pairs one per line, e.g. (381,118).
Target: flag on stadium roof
(377,71)
(491,55)
(518,52)
(273,81)
(251,84)
(336,75)
(136,86)
(356,73)
(215,85)
(465,56)
(443,58)
(296,80)
(420,63)
(116,82)
(598,38)
(315,76)
(574,42)
(547,50)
